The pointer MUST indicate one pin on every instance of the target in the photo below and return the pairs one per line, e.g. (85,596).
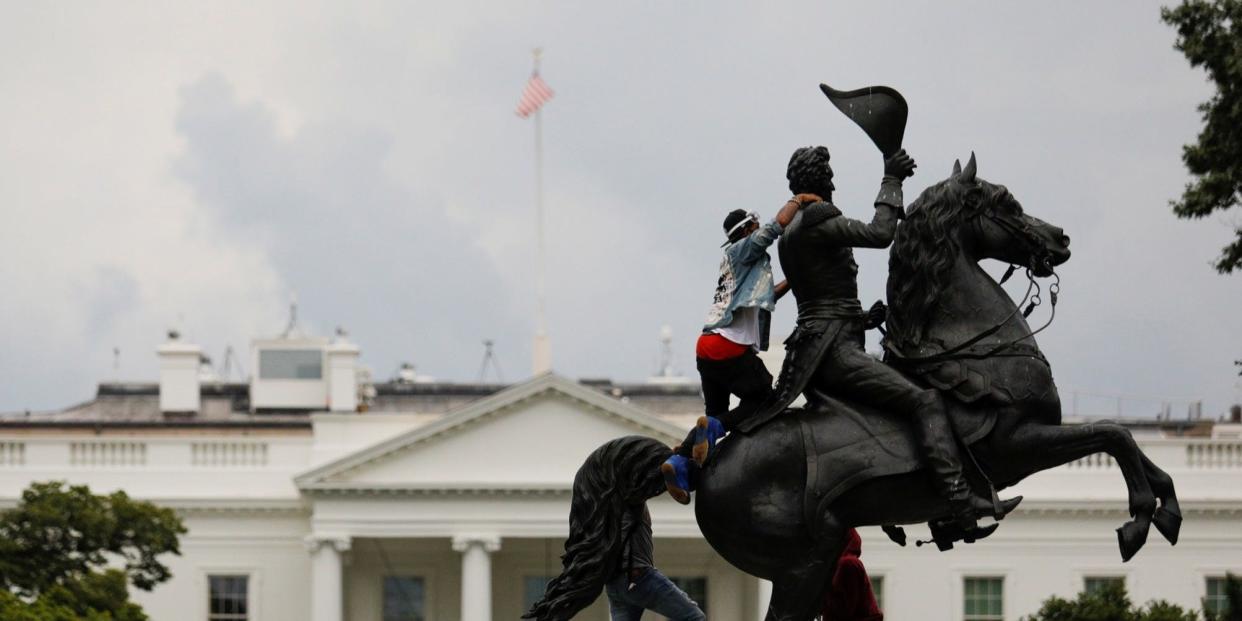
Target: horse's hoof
(1168,523)
(1131,537)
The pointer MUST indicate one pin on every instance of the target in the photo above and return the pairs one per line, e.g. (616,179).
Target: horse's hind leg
(1168,518)
(798,593)
(1037,447)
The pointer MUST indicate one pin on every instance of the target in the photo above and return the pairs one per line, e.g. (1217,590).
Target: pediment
(532,436)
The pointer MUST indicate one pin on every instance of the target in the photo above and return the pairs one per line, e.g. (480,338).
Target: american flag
(534,96)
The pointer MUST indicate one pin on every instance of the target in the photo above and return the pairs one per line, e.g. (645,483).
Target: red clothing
(851,597)
(712,346)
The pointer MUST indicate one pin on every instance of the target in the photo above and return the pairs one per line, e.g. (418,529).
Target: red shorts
(712,346)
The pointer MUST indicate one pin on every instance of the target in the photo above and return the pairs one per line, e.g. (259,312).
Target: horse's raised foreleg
(1168,518)
(798,593)
(1045,446)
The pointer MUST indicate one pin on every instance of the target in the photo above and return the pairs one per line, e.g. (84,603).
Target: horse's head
(1001,230)
(963,216)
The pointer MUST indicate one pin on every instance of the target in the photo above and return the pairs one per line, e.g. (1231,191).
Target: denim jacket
(746,280)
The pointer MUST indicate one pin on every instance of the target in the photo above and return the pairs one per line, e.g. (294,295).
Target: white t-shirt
(744,329)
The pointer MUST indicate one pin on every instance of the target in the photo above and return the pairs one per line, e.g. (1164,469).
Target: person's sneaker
(707,432)
(676,471)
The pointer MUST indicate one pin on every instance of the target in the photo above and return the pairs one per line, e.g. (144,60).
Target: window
(533,588)
(877,587)
(293,364)
(228,598)
(1215,600)
(405,598)
(695,587)
(983,599)
(1094,584)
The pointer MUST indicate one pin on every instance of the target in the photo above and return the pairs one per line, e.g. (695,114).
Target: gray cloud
(359,248)
(368,158)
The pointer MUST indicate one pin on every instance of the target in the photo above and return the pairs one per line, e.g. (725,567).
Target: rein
(1039,255)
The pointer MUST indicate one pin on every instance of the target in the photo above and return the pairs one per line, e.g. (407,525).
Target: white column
(476,575)
(327,602)
(764,597)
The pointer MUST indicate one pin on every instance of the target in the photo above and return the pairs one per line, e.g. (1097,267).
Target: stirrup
(948,532)
(965,516)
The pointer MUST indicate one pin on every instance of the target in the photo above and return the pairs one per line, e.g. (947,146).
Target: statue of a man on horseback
(825,355)
(878,443)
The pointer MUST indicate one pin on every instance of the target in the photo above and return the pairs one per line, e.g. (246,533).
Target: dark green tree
(1209,33)
(57,543)
(1233,601)
(1110,603)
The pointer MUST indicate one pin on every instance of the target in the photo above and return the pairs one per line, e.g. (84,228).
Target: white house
(310,496)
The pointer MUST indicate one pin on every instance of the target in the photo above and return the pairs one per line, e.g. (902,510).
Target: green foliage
(1110,603)
(14,609)
(1233,597)
(1209,34)
(56,544)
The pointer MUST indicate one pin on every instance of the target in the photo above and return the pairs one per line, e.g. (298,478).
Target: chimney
(342,358)
(179,367)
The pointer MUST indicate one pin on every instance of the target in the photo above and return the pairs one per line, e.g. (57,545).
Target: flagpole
(542,351)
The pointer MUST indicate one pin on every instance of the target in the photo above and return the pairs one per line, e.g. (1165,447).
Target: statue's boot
(998,510)
(982,505)
(935,435)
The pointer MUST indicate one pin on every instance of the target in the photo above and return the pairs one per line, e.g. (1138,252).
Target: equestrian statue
(962,406)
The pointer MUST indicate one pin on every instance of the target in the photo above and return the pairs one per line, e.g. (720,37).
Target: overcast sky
(169,166)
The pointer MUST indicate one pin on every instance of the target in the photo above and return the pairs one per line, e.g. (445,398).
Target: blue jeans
(653,592)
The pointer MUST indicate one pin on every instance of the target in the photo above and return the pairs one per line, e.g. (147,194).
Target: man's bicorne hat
(879,110)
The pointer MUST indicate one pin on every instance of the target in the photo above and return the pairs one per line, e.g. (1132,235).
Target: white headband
(750,217)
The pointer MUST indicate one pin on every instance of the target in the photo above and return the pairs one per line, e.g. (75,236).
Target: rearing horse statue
(777,503)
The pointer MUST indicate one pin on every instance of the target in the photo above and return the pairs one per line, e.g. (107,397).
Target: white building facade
(450,502)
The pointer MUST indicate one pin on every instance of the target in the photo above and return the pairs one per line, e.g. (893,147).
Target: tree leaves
(1110,603)
(56,543)
(1209,34)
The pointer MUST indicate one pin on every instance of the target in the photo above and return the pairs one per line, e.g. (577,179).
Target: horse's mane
(614,478)
(925,248)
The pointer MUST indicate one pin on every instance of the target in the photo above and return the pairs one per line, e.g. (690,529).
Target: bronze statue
(776,502)
(777,498)
(825,352)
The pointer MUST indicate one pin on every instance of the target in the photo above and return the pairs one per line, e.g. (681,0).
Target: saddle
(849,443)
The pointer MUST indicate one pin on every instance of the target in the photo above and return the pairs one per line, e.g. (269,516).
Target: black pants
(850,372)
(744,376)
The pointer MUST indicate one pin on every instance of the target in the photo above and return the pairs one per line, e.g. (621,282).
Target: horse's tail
(617,475)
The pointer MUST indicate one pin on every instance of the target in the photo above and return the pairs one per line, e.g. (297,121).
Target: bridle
(1039,256)
(1038,253)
